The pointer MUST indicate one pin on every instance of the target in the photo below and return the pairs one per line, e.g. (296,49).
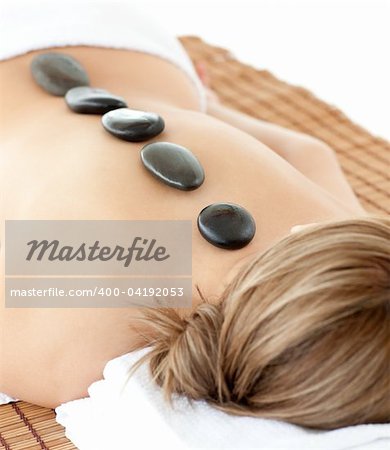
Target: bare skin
(59,165)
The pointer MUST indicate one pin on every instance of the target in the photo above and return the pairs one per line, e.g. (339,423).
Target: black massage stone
(56,73)
(133,125)
(226,225)
(173,164)
(87,100)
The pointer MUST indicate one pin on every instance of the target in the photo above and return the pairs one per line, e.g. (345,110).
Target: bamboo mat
(25,426)
(365,160)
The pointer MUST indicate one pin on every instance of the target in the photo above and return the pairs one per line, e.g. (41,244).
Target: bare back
(59,165)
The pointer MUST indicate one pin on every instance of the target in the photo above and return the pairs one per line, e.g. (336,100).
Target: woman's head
(301,334)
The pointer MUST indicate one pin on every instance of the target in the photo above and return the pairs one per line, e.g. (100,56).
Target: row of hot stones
(225,225)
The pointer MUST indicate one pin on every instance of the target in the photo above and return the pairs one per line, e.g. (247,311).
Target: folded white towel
(4,398)
(135,415)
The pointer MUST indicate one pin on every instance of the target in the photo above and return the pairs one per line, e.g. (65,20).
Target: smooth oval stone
(133,125)
(87,100)
(173,164)
(56,73)
(226,225)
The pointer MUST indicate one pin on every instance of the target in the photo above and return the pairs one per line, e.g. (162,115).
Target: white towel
(135,415)
(27,25)
(4,398)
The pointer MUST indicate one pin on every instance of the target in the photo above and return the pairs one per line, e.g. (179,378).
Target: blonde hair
(301,334)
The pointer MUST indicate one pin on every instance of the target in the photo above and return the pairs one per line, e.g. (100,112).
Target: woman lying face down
(294,326)
(300,334)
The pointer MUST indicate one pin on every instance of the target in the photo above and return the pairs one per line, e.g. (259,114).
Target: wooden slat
(25,426)
(364,158)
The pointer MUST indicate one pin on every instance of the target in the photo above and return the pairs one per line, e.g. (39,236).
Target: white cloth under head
(135,414)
